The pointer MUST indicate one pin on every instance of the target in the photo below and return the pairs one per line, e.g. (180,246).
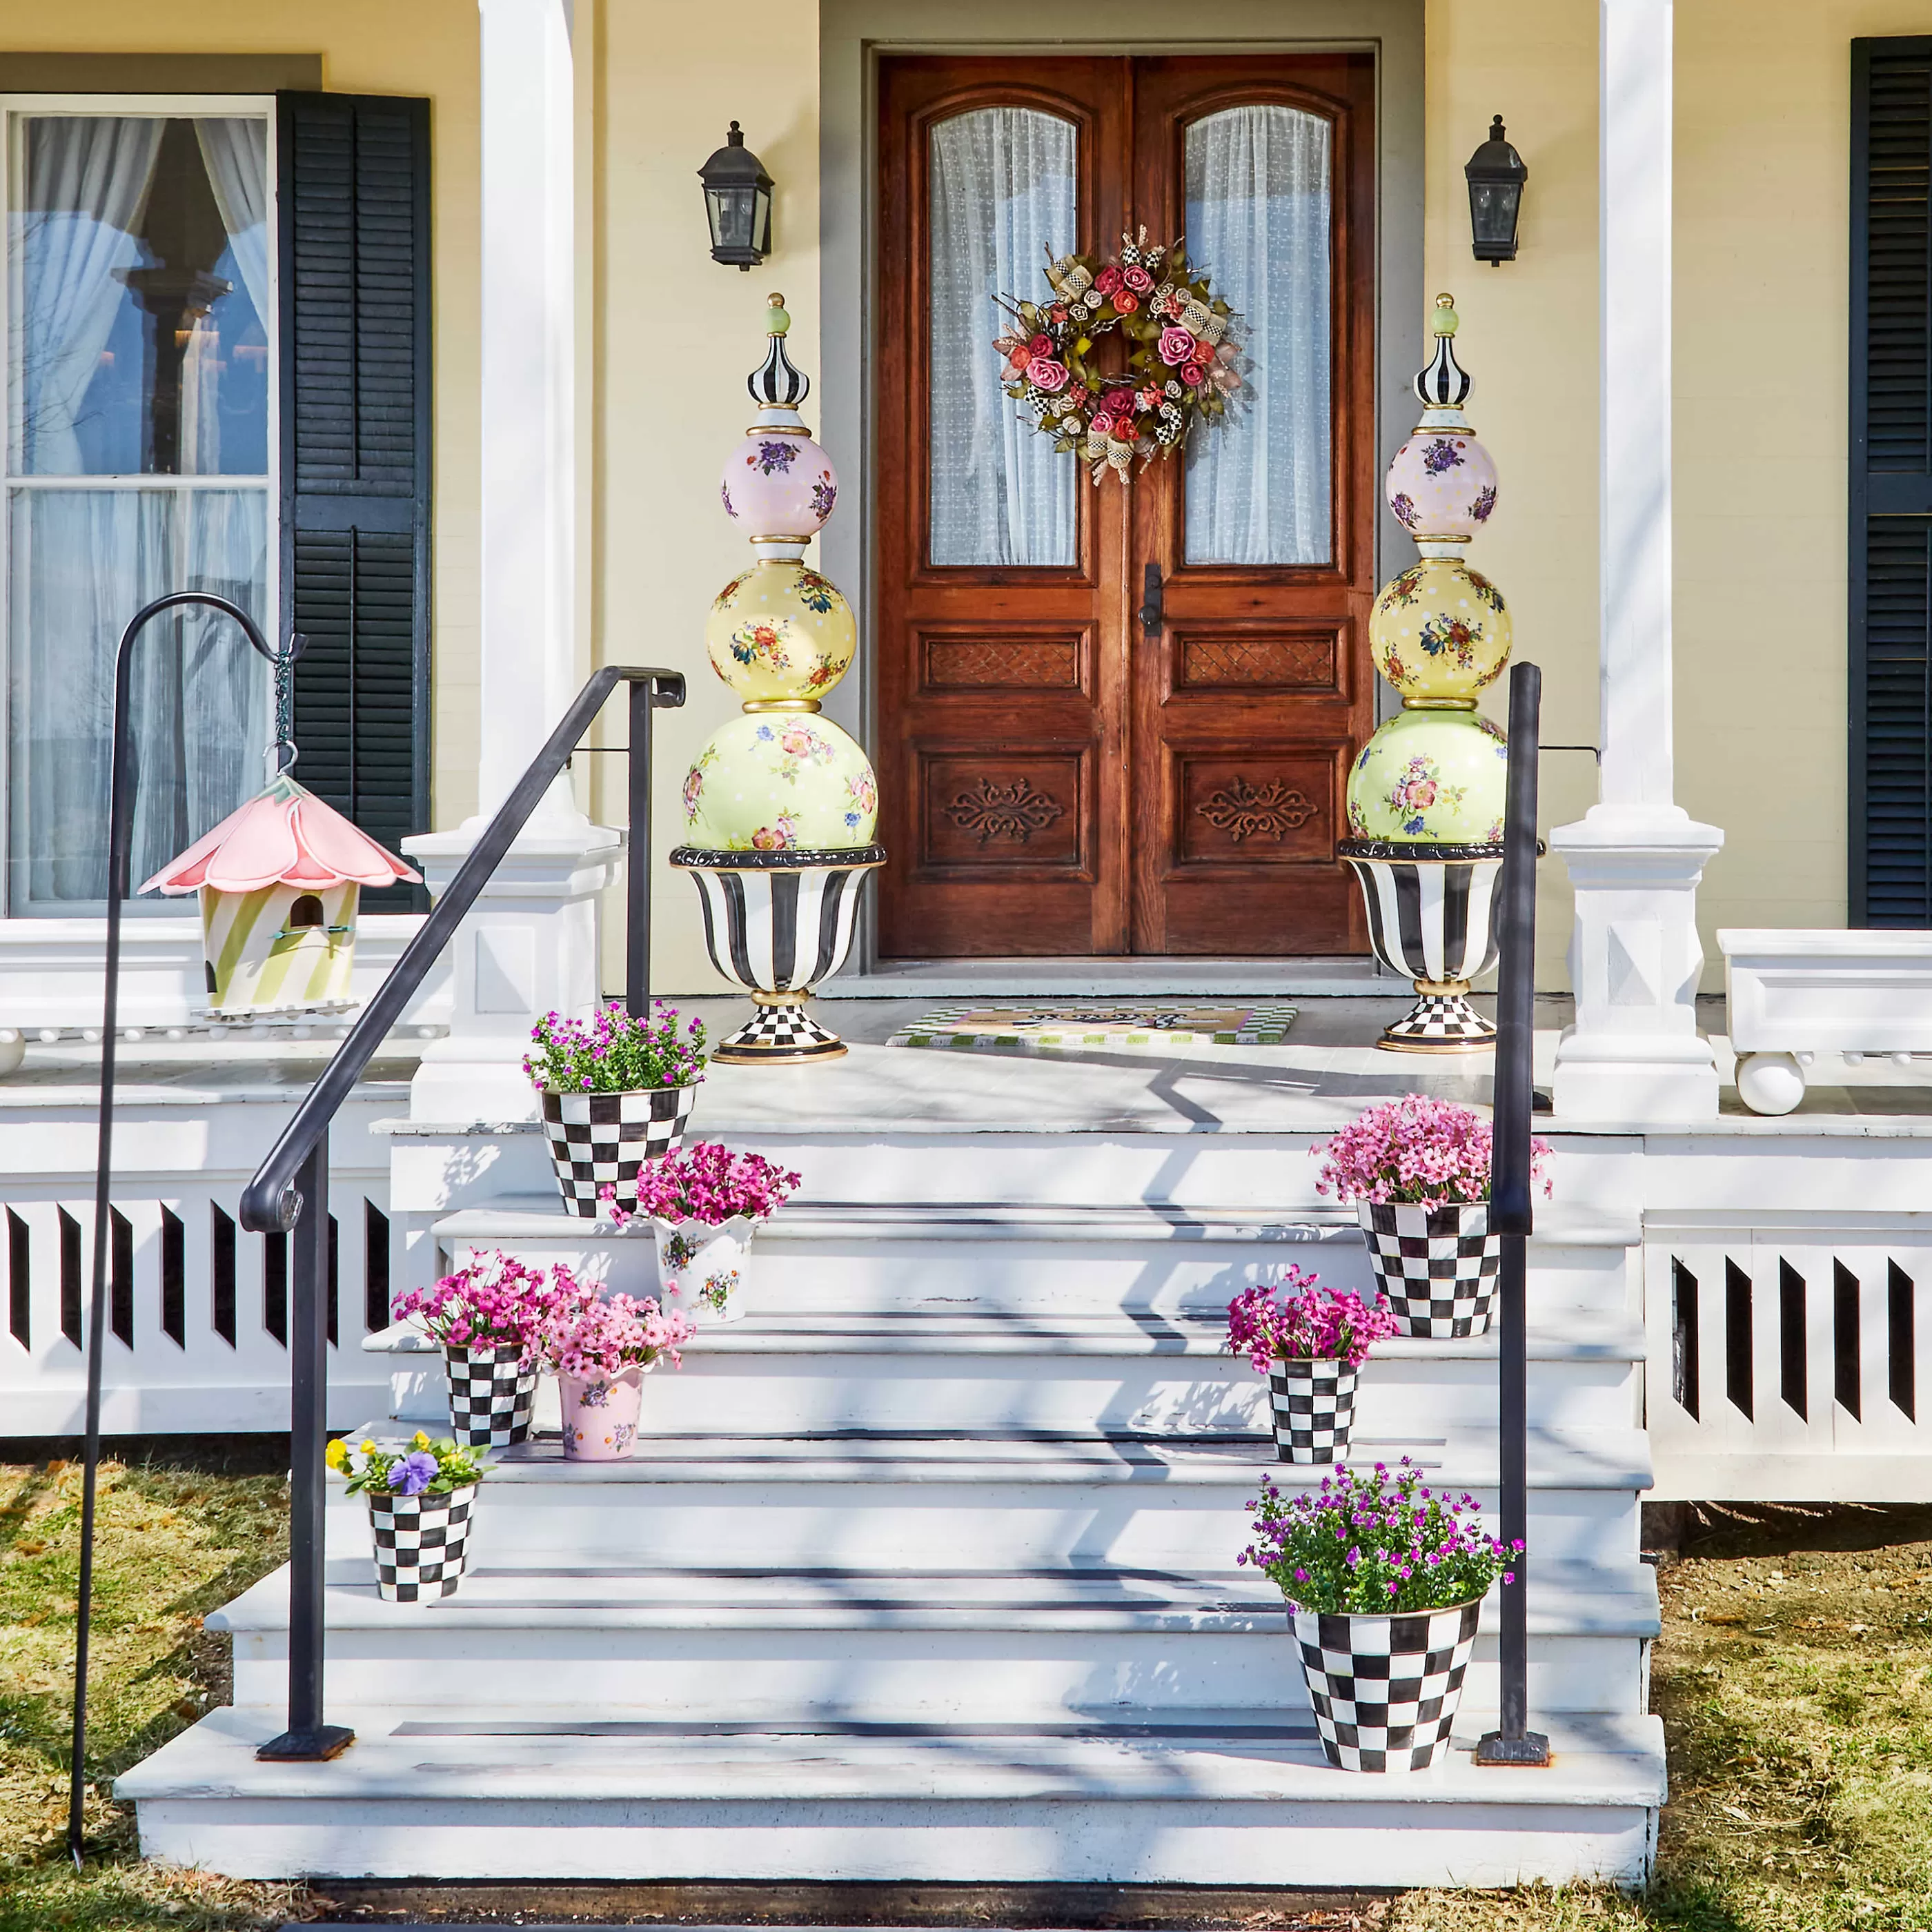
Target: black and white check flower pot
(1385,1689)
(1314,1405)
(1438,1266)
(491,1393)
(421,1543)
(598,1140)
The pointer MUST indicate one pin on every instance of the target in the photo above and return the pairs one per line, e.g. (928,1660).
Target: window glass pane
(1003,201)
(83,561)
(1257,222)
(138,260)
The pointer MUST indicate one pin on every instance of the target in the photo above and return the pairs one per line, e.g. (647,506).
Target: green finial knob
(1447,320)
(776,320)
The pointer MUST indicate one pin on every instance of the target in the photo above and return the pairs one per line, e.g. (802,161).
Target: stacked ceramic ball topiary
(1425,794)
(781,806)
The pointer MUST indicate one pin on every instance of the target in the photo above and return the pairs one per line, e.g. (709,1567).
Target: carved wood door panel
(1056,777)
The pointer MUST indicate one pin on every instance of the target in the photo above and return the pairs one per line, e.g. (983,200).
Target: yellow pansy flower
(336,1454)
(419,1441)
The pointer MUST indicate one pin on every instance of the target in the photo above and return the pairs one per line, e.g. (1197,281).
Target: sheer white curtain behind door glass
(1002,198)
(1258,200)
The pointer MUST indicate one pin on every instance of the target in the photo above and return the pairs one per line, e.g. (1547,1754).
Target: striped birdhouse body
(279,881)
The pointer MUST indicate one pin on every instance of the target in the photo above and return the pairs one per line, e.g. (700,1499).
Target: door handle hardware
(1152,617)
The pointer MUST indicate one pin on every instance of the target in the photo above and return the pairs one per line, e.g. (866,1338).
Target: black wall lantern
(1496,175)
(738,200)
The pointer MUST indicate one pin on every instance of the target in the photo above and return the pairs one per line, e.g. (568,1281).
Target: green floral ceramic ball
(1431,777)
(780,781)
(780,630)
(1439,630)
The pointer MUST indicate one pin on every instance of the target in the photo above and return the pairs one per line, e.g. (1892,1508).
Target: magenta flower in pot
(704,1205)
(615,1090)
(488,1315)
(1385,1581)
(1311,1345)
(1418,1171)
(600,1348)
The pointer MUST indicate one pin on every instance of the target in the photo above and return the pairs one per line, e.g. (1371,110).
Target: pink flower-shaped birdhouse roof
(283,836)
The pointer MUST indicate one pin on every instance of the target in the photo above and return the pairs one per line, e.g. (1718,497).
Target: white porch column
(531,944)
(1636,858)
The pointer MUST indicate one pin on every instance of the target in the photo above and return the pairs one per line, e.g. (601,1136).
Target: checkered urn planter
(1314,1407)
(1386,1689)
(420,1542)
(598,1140)
(1438,1266)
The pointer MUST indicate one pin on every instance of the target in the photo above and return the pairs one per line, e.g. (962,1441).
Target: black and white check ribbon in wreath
(421,1543)
(598,1140)
(1314,1405)
(490,1393)
(1385,1689)
(1438,1266)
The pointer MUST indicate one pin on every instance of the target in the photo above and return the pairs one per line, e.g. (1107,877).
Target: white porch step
(794,1373)
(1001,1500)
(741,1645)
(1021,1257)
(1221,1797)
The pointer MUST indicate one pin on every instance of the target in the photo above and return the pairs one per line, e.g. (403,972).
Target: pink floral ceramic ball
(1442,484)
(779,486)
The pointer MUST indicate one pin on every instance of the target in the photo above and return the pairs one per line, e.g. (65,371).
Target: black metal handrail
(290,1188)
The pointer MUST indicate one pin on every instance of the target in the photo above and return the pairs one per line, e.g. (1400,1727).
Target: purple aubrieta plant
(1369,1544)
(1417,1151)
(614,1052)
(1313,1324)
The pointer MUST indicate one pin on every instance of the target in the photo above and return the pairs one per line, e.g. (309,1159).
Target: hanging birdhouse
(279,881)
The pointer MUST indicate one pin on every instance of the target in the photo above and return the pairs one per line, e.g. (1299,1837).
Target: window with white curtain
(1259,191)
(140,452)
(1002,201)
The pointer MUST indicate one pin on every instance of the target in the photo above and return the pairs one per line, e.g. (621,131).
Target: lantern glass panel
(761,220)
(1493,207)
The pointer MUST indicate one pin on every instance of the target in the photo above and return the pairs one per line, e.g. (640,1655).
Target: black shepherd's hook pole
(120,854)
(1512,1214)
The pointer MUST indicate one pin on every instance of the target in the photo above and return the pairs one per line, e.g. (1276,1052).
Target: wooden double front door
(1119,719)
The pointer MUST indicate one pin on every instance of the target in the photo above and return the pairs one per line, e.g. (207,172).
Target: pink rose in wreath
(1137,279)
(1192,374)
(1058,311)
(1177,346)
(1107,281)
(1040,345)
(1043,372)
(1125,304)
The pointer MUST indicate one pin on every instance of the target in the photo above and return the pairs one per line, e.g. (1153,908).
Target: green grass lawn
(1795,1674)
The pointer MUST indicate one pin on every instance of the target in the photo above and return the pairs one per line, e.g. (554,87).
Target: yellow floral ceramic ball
(1431,777)
(780,630)
(1440,630)
(780,781)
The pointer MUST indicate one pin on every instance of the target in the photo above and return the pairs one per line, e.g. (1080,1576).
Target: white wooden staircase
(927,1572)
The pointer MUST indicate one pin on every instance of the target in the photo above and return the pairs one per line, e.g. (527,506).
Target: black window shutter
(353,182)
(1890,549)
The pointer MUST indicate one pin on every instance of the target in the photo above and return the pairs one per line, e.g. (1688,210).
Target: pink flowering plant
(705,1182)
(615,1052)
(1314,1324)
(591,1335)
(1369,1545)
(420,1468)
(1416,1151)
(494,1302)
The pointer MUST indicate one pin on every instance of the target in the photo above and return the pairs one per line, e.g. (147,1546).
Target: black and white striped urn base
(777,924)
(1432,916)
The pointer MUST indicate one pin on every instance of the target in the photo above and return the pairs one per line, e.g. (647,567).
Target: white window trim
(160,106)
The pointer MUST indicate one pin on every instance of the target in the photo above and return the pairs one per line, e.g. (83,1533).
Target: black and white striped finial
(1444,384)
(775,384)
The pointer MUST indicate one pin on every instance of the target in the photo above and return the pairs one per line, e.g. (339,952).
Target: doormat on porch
(1136,1026)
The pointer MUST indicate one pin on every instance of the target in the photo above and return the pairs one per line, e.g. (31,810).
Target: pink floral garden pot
(1442,483)
(600,1415)
(1439,1266)
(701,1268)
(778,483)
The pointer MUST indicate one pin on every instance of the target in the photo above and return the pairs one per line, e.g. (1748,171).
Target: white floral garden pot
(701,1268)
(1386,1689)
(1438,1266)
